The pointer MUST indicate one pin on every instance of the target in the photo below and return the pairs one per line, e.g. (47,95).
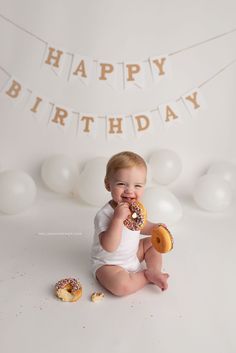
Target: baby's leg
(153,261)
(119,281)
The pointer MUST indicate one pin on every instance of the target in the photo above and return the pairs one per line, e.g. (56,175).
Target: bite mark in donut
(138,216)
(68,289)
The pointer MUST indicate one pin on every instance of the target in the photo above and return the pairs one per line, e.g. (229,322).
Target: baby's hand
(161,224)
(122,211)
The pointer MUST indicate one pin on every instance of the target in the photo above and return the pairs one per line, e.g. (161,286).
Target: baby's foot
(158,278)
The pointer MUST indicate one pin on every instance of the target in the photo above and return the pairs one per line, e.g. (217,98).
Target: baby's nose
(129,189)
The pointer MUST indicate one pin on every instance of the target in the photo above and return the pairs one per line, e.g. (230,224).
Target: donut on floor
(161,239)
(68,289)
(97,296)
(138,216)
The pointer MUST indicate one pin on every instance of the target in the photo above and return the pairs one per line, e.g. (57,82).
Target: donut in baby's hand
(161,239)
(138,216)
(68,289)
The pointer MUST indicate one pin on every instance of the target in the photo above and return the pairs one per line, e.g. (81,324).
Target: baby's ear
(107,185)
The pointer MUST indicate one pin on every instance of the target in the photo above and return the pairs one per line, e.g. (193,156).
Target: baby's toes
(164,284)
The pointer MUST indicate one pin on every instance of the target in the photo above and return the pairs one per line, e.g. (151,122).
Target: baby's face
(128,184)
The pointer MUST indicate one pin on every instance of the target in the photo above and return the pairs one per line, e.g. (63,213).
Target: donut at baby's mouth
(136,220)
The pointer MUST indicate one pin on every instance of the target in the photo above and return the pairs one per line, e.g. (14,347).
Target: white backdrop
(52,239)
(118,31)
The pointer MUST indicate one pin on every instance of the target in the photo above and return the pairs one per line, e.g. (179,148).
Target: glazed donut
(138,216)
(68,289)
(161,239)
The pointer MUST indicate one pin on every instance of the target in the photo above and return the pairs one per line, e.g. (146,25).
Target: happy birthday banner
(125,74)
(132,75)
(62,117)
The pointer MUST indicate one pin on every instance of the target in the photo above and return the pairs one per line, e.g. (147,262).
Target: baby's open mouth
(128,199)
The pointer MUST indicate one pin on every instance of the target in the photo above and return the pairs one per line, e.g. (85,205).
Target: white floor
(51,241)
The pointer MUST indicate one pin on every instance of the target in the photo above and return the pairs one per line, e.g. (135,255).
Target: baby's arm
(110,239)
(148,227)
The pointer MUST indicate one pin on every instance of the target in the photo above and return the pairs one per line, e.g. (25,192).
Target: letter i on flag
(39,107)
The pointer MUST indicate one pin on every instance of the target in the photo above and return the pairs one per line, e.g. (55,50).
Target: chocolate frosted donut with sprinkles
(68,289)
(136,220)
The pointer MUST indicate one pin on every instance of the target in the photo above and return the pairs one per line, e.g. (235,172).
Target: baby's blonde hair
(122,160)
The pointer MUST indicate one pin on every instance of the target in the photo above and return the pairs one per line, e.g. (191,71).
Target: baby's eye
(138,186)
(120,184)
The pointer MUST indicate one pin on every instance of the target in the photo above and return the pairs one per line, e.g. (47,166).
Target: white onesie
(126,253)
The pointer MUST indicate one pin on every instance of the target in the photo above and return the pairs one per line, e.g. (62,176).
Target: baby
(117,252)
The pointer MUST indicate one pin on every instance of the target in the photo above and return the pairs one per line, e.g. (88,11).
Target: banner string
(22,29)
(171,54)
(203,42)
(217,73)
(6,72)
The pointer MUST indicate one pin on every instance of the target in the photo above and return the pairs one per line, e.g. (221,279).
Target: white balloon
(17,191)
(225,170)
(162,205)
(59,173)
(166,166)
(212,193)
(149,175)
(90,183)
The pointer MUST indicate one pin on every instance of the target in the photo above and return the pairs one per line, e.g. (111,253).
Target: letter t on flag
(87,124)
